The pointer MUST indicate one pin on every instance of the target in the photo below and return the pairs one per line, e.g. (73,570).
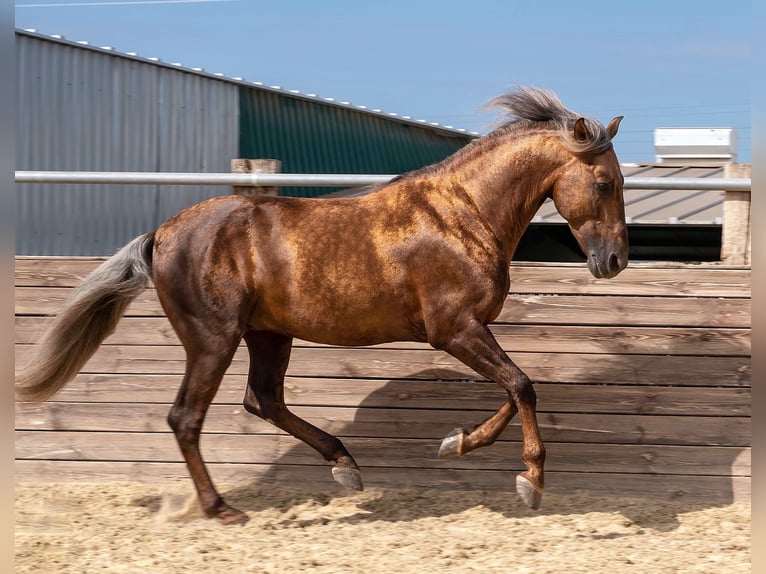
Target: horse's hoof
(529,493)
(348,476)
(452,445)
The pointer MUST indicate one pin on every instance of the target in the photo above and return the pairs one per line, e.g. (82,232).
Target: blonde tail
(88,317)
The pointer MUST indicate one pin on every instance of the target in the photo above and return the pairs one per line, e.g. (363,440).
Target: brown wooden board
(428,424)
(636,279)
(624,310)
(512,338)
(551,309)
(93,390)
(46,301)
(430,364)
(386,452)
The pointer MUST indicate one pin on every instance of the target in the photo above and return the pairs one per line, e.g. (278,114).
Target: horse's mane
(530,109)
(535,108)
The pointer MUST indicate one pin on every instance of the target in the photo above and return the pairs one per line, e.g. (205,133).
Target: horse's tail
(88,317)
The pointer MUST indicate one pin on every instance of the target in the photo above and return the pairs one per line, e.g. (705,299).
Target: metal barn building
(86,108)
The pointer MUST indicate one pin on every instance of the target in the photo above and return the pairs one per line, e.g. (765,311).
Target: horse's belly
(339,322)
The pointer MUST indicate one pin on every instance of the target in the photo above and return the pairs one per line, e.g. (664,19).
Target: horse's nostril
(614,262)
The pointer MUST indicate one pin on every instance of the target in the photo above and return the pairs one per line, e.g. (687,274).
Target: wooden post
(735,233)
(256,166)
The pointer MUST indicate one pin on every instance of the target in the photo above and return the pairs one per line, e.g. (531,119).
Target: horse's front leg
(461,441)
(475,346)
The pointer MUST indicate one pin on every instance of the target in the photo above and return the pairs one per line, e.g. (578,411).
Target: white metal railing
(323,180)
(735,240)
(224,179)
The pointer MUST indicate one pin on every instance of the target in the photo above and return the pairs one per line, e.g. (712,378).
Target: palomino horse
(423,258)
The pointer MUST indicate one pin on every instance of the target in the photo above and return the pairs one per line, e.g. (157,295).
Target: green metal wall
(314,137)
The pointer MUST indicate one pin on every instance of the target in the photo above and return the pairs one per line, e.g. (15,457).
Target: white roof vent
(695,145)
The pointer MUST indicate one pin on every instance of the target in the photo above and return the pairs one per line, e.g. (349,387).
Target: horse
(422,258)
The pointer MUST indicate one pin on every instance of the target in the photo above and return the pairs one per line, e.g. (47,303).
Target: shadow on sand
(275,490)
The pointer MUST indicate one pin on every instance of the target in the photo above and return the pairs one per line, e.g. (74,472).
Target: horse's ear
(611,129)
(580,130)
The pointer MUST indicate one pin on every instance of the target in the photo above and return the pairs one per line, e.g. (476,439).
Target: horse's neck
(509,181)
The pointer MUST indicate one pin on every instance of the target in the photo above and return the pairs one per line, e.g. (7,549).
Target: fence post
(735,232)
(256,166)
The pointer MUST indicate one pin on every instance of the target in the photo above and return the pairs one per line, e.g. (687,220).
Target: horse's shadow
(272,489)
(277,489)
(392,505)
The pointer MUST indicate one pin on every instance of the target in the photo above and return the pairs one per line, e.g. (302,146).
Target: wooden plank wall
(643,386)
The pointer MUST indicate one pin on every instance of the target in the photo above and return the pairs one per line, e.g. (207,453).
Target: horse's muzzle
(606,264)
(606,247)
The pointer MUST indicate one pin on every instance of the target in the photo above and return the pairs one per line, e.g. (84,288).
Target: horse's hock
(643,386)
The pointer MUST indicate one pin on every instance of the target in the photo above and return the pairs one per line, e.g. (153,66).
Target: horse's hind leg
(269,357)
(204,371)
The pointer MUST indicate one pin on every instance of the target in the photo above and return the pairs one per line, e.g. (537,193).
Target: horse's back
(351,271)
(297,266)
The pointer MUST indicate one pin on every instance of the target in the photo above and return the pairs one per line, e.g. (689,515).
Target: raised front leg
(265,397)
(475,346)
(460,441)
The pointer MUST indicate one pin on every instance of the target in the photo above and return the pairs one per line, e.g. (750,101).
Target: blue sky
(660,64)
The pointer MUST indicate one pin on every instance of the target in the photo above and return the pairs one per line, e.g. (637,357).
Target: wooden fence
(643,386)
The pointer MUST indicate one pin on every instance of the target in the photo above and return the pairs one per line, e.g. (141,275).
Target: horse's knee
(534,454)
(174,419)
(184,425)
(522,391)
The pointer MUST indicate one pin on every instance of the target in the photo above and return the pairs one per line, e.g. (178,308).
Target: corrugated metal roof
(306,133)
(313,139)
(391,116)
(658,206)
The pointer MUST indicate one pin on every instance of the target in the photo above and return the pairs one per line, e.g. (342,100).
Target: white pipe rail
(324,180)
(224,179)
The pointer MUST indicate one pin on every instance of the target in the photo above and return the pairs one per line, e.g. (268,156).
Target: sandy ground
(135,528)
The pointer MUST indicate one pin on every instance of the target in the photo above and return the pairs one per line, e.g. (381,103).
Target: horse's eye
(603,187)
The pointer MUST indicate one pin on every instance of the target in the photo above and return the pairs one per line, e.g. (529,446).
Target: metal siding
(85,109)
(315,137)
(199,128)
(683,206)
(661,206)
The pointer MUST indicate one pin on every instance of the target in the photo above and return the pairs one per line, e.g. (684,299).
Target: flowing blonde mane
(539,108)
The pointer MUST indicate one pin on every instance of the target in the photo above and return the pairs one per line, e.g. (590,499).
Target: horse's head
(588,194)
